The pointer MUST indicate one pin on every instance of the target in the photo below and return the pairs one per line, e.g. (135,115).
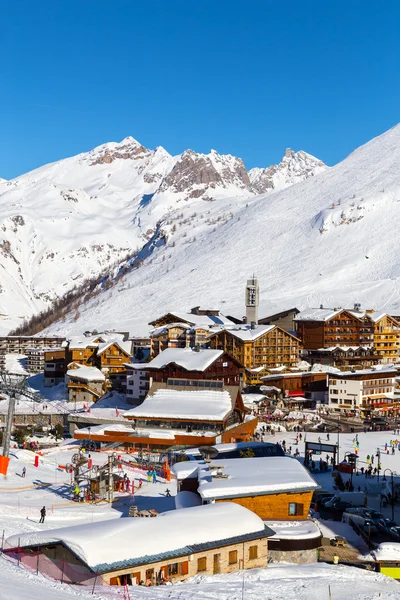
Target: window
(202,564)
(296,509)
(173,569)
(233,557)
(253,552)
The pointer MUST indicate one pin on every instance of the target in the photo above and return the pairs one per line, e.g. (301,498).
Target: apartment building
(366,389)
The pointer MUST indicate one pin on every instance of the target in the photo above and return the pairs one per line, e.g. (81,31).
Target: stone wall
(293,556)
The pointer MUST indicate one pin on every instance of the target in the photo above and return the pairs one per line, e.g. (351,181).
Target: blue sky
(248,78)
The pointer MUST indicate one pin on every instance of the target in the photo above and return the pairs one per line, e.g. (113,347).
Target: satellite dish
(208,452)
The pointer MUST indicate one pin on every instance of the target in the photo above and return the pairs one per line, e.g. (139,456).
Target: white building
(138,383)
(368,388)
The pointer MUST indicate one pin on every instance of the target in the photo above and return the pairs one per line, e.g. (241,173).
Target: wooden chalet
(85,384)
(325,328)
(258,348)
(189,363)
(386,337)
(273,487)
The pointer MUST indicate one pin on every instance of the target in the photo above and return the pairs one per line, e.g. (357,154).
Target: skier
(154,477)
(327,437)
(23,471)
(167,493)
(42,514)
(149,474)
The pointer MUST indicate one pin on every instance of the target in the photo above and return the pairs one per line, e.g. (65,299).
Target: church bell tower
(252,300)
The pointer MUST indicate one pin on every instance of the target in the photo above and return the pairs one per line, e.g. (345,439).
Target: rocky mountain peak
(195,174)
(128,148)
(293,168)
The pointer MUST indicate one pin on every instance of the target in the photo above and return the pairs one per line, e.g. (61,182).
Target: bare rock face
(129,148)
(193,173)
(293,168)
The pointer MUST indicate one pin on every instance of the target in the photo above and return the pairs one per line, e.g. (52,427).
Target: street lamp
(392,486)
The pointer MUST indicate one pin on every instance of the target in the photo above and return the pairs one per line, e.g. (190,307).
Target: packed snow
(250,476)
(196,405)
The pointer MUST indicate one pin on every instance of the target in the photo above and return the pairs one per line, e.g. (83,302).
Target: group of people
(151,476)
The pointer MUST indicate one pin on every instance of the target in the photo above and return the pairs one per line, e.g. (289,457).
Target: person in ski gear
(24,472)
(42,514)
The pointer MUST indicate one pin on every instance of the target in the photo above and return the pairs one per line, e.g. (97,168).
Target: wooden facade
(273,348)
(112,358)
(225,368)
(344,328)
(387,339)
(177,335)
(292,506)
(305,383)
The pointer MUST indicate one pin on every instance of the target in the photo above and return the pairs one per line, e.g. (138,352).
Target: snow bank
(249,476)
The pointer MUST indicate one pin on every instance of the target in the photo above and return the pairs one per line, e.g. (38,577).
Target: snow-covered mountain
(331,239)
(293,168)
(72,219)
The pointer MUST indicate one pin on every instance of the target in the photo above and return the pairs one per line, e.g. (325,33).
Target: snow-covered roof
(317,314)
(187,358)
(252,398)
(387,551)
(77,343)
(344,348)
(85,373)
(250,476)
(378,371)
(195,405)
(246,333)
(124,346)
(198,320)
(125,541)
(164,328)
(294,530)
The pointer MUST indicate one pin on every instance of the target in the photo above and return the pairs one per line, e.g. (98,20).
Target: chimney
(253,325)
(321,306)
(197,348)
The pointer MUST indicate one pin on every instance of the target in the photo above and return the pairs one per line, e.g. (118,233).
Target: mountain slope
(73,219)
(331,239)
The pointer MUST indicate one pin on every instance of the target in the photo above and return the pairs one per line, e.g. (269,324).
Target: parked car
(361,516)
(385,525)
(324,499)
(319,498)
(339,508)
(354,499)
